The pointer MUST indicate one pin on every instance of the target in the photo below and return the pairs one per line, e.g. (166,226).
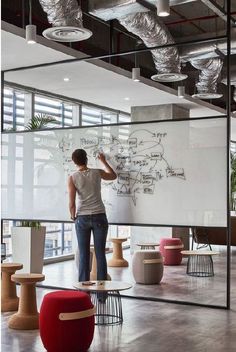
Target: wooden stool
(117,258)
(27,317)
(9,299)
(93,272)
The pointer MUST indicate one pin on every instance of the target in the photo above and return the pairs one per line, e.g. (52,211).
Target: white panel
(169,173)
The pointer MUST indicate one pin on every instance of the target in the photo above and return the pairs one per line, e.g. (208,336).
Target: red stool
(170,249)
(66,321)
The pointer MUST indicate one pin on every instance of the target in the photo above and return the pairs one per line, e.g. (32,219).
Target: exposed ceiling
(95,82)
(189,19)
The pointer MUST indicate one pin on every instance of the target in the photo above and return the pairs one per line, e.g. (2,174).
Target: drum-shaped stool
(170,249)
(9,299)
(27,317)
(66,321)
(147,267)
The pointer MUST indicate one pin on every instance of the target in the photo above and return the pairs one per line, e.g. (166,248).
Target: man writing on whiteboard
(89,214)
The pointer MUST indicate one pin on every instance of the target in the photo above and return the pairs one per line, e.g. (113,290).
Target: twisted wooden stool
(27,317)
(117,259)
(9,299)
(93,272)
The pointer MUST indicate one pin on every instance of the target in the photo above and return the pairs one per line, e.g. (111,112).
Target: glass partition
(97,93)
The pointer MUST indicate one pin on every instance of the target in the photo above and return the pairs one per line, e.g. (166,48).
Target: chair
(200,237)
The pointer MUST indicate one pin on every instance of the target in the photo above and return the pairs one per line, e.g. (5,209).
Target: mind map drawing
(139,161)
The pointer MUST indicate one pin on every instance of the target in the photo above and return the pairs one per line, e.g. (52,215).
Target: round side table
(200,263)
(148,245)
(105,296)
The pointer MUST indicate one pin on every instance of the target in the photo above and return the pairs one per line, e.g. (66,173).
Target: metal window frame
(61,106)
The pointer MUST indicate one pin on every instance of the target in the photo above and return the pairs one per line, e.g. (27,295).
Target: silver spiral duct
(153,32)
(208,77)
(66,19)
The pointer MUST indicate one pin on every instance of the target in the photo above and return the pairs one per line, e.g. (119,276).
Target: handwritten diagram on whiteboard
(169,173)
(140,161)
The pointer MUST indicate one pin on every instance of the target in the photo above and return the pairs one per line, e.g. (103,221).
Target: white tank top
(88,187)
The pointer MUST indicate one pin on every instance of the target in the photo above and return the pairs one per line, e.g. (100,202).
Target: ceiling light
(30,30)
(181,91)
(163,8)
(66,79)
(136,74)
(127,98)
(30,34)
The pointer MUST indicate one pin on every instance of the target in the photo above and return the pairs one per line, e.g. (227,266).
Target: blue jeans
(84,225)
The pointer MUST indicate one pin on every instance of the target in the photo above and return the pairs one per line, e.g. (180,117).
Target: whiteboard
(169,172)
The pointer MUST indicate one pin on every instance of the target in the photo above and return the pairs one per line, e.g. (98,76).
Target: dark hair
(79,156)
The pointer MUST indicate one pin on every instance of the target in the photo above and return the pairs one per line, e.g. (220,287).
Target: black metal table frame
(108,307)
(200,265)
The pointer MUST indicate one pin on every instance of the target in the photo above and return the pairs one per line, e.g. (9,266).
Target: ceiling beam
(217,9)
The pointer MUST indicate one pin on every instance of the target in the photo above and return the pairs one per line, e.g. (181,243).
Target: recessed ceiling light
(66,79)
(127,98)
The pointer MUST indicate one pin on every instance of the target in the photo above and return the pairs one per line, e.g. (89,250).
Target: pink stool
(170,249)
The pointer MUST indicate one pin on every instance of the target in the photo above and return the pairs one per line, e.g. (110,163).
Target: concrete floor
(149,326)
(175,284)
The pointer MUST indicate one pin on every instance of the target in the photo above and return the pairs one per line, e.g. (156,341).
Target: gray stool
(147,266)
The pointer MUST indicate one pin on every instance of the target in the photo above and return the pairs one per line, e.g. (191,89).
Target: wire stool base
(108,308)
(200,266)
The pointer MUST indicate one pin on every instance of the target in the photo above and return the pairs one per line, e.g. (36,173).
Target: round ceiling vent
(207,95)
(67,34)
(169,77)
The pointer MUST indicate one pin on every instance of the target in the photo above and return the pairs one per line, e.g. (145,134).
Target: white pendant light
(30,30)
(163,8)
(136,74)
(181,91)
(30,34)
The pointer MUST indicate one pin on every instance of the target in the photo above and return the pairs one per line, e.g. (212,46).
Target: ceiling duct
(136,17)
(207,50)
(153,32)
(110,9)
(66,19)
(208,77)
